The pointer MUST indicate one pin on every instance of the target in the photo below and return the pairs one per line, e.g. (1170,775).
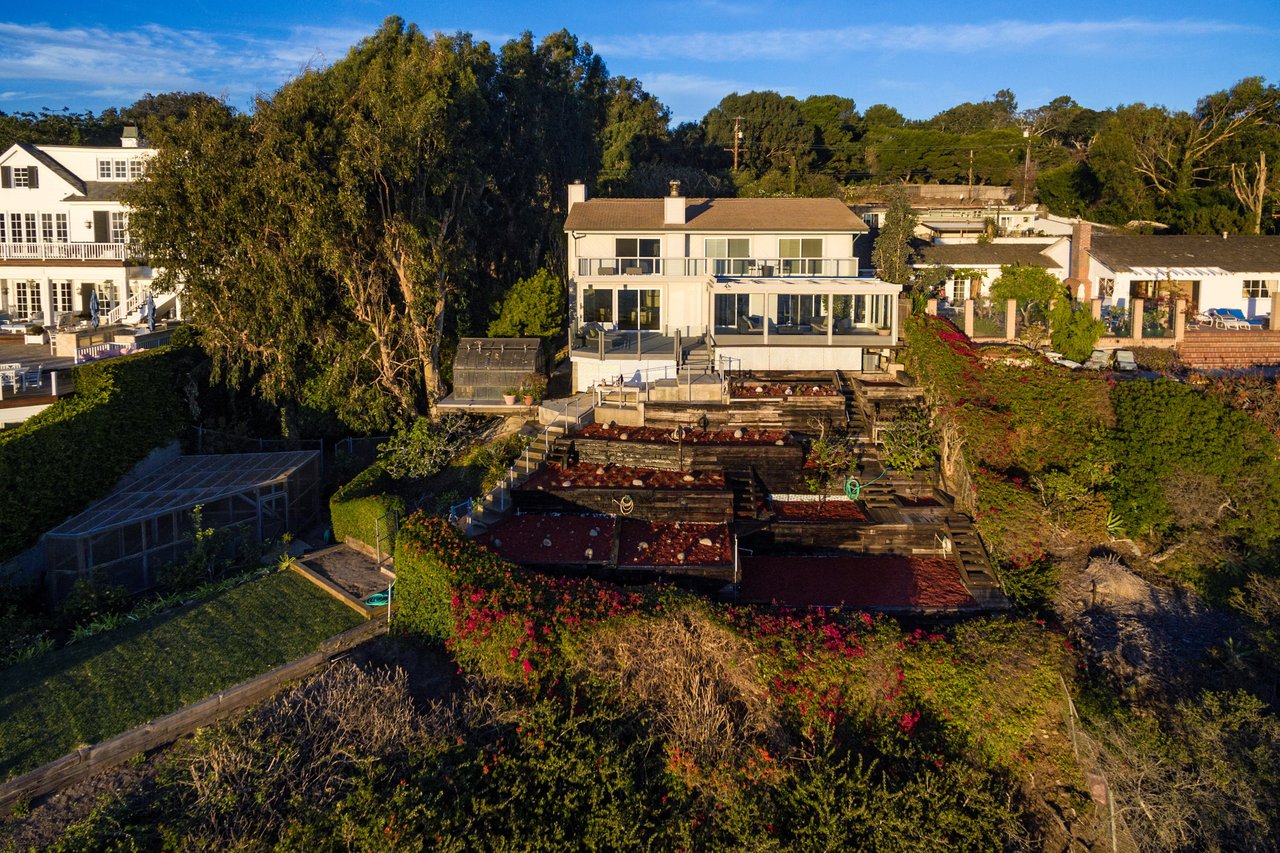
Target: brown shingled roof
(716,214)
(1234,254)
(98,191)
(985,254)
(52,165)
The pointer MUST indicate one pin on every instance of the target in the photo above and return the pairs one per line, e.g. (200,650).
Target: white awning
(788,284)
(1176,273)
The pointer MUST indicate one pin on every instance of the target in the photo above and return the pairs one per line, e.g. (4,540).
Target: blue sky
(920,57)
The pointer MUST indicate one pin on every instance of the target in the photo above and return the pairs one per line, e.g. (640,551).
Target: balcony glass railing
(723,267)
(62,251)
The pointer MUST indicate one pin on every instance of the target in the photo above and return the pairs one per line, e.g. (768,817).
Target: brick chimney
(1081,241)
(577,192)
(673,212)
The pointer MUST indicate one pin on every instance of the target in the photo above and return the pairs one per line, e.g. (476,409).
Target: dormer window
(22,176)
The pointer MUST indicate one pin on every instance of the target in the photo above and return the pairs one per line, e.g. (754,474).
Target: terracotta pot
(528,399)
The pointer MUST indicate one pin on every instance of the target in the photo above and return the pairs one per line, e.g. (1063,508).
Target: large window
(29,226)
(61,297)
(28,299)
(1257,288)
(119,226)
(46,227)
(60,227)
(729,308)
(801,255)
(106,296)
(638,254)
(597,305)
(104,170)
(135,168)
(22,176)
(728,255)
(639,309)
(801,311)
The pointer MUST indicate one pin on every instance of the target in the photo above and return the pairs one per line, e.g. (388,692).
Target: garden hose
(853,488)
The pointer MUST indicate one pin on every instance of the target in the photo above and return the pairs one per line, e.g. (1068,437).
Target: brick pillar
(1136,325)
(1096,306)
(931,307)
(1274,322)
(1179,320)
(1011,320)
(968,317)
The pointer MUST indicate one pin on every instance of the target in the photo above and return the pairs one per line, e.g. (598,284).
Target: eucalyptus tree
(323,241)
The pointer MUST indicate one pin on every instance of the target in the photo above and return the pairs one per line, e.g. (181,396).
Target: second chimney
(673,206)
(1081,241)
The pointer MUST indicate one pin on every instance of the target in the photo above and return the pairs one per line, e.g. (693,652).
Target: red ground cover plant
(552,539)
(691,436)
(864,582)
(782,389)
(663,543)
(588,476)
(829,510)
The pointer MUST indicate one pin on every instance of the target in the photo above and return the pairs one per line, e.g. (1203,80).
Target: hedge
(74,452)
(356,507)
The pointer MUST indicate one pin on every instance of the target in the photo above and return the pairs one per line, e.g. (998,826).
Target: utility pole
(737,140)
(970,174)
(1026,165)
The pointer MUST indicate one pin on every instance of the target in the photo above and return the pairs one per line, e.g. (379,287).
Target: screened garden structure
(486,368)
(126,538)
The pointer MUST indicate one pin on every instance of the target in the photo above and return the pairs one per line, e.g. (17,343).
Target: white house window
(135,168)
(801,256)
(1257,288)
(106,296)
(61,296)
(22,176)
(28,299)
(122,169)
(119,226)
(729,255)
(638,254)
(597,305)
(4,230)
(29,223)
(15,227)
(46,227)
(60,227)
(104,170)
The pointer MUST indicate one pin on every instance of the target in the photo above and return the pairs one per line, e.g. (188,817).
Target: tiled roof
(52,165)
(985,254)
(716,214)
(1122,253)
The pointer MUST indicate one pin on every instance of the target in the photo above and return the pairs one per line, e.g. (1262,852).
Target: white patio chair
(30,377)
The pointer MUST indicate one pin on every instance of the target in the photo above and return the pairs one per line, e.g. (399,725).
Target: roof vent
(1224,235)
(675,188)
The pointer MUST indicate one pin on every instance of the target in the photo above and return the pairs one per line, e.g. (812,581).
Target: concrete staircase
(1227,349)
(496,505)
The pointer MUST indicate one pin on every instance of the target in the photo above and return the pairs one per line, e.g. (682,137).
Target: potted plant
(531,388)
(509,396)
(35,335)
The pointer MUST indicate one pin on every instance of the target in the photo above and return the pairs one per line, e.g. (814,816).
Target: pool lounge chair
(1238,315)
(1224,319)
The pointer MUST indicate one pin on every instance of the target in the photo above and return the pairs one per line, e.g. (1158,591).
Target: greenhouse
(126,538)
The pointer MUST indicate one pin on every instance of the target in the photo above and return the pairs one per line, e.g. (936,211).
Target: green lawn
(98,688)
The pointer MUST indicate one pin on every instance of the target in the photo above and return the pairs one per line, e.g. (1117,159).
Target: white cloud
(798,45)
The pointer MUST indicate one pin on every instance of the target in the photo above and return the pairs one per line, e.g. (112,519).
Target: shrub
(1075,331)
(1156,358)
(425,446)
(355,509)
(77,449)
(909,440)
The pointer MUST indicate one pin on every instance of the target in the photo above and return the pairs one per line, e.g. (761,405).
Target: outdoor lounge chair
(1223,319)
(1238,315)
(9,374)
(30,377)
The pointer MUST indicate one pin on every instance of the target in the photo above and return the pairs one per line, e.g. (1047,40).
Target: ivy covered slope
(1052,462)
(589,716)
(73,452)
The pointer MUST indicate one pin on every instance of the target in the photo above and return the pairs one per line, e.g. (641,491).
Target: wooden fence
(86,761)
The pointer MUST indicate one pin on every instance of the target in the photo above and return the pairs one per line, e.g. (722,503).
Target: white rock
(624,436)
(593,532)
(688,478)
(705,541)
(738,433)
(497,543)
(588,553)
(546,542)
(680,557)
(644,546)
(637,482)
(600,470)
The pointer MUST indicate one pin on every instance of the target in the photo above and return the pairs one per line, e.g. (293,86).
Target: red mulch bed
(588,476)
(862,582)
(667,539)
(880,383)
(905,501)
(691,436)
(520,539)
(782,389)
(815,511)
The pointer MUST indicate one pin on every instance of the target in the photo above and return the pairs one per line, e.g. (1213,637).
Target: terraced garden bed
(673,544)
(763,390)
(588,476)
(552,539)
(820,511)
(876,582)
(690,436)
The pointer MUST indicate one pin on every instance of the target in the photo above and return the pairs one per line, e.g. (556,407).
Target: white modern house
(64,233)
(754,284)
(1209,271)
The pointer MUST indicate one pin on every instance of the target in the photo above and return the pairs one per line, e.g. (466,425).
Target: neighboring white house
(1209,271)
(766,283)
(64,233)
(972,267)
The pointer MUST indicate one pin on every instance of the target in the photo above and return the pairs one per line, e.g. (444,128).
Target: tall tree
(891,254)
(774,134)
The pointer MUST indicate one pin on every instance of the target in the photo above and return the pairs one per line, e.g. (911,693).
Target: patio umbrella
(149,311)
(93,308)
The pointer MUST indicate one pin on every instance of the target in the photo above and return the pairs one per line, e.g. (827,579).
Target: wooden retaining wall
(89,760)
(649,504)
(794,413)
(852,536)
(689,457)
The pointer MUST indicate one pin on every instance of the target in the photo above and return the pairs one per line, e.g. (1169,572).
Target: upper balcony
(23,252)
(724,267)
